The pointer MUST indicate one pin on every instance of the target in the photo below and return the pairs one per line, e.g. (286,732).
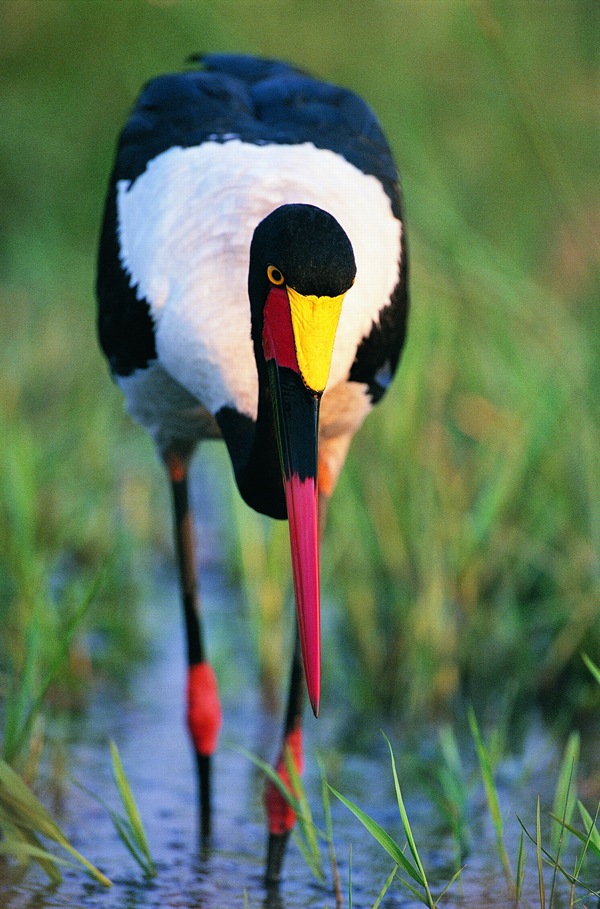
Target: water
(149,730)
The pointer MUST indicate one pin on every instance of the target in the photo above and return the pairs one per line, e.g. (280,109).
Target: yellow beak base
(314,322)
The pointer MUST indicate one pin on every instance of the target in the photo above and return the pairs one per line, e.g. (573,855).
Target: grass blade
(19,739)
(25,812)
(272,774)
(24,846)
(405,822)
(520,875)
(554,863)
(453,801)
(538,849)
(591,666)
(415,892)
(304,818)
(450,882)
(24,850)
(329,831)
(590,825)
(566,792)
(586,838)
(131,810)
(129,828)
(306,834)
(385,888)
(383,838)
(491,794)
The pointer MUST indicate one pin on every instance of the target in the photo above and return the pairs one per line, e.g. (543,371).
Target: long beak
(296,412)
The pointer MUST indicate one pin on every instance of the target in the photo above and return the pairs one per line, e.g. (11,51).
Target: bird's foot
(275,853)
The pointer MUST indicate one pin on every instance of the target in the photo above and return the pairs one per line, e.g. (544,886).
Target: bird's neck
(254,455)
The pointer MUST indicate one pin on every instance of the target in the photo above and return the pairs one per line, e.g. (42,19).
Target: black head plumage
(308,246)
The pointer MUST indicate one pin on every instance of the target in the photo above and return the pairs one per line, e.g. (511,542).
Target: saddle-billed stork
(252,287)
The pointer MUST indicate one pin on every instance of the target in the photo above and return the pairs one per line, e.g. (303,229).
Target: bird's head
(301,266)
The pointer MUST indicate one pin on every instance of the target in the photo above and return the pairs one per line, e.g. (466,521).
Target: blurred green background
(462,557)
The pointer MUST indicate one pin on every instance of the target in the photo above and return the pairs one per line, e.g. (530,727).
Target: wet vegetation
(461,566)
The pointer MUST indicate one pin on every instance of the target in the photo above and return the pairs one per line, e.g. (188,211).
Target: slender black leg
(280,816)
(203,708)
(184,538)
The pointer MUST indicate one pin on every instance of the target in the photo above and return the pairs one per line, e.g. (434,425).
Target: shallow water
(148,728)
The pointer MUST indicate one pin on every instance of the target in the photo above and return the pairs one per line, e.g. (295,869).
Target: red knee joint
(203,708)
(280,816)
(177,466)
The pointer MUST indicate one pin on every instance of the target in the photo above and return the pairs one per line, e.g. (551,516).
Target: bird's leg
(203,706)
(280,816)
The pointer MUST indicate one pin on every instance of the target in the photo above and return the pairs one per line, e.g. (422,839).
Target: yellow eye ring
(274,275)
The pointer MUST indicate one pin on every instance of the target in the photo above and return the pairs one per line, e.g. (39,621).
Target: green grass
(413,869)
(26,697)
(564,863)
(129,826)
(491,794)
(451,793)
(566,790)
(308,836)
(23,820)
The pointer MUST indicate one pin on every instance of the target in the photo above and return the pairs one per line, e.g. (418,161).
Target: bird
(252,286)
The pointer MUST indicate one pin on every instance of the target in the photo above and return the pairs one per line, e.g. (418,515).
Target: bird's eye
(274,275)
